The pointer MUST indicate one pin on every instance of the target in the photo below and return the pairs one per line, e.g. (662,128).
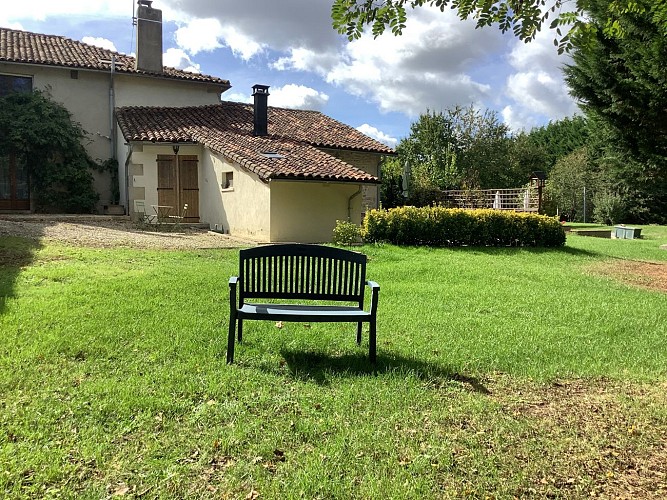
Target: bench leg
(371,342)
(230,337)
(359,333)
(240,337)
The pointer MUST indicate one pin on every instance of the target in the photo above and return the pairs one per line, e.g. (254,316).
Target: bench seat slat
(291,312)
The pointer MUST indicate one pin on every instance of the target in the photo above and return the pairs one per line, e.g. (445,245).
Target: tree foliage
(524,18)
(569,179)
(40,131)
(457,149)
(558,139)
(621,84)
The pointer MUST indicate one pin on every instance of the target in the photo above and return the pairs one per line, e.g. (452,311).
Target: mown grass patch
(503,372)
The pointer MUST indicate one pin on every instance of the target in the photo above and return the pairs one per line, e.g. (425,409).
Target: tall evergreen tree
(621,82)
(559,138)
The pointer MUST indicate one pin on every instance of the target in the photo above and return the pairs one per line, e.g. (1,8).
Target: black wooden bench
(301,273)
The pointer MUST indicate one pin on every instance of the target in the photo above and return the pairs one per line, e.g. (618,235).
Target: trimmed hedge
(439,226)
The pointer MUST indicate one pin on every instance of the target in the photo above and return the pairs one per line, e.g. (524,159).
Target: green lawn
(501,373)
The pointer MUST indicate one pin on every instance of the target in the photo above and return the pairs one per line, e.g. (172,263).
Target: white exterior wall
(134,90)
(306,212)
(368,162)
(244,209)
(280,211)
(87,99)
(143,172)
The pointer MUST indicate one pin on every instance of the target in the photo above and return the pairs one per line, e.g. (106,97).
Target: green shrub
(609,208)
(439,226)
(346,233)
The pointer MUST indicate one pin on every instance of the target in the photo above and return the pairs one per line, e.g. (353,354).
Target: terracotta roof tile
(51,50)
(227,129)
(288,159)
(312,127)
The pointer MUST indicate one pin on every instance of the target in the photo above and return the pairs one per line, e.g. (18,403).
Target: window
(13,83)
(228,181)
(272,154)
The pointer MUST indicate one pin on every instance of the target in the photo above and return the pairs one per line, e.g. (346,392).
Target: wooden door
(14,185)
(188,186)
(166,181)
(175,188)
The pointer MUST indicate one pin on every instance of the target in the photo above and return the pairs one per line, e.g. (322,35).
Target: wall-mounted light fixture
(176,147)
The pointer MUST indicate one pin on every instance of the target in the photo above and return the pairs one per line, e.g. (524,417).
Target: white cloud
(199,35)
(11,25)
(176,58)
(425,68)
(99,42)
(536,87)
(297,97)
(289,96)
(39,10)
(242,45)
(378,135)
(237,97)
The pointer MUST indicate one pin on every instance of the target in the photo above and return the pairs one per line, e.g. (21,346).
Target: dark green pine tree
(621,83)
(559,138)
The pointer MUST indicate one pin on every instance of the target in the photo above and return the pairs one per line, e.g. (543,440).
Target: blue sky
(377,85)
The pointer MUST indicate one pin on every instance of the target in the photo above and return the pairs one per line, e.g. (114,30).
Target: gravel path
(106,232)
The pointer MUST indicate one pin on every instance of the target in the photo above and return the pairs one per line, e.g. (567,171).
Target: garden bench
(301,274)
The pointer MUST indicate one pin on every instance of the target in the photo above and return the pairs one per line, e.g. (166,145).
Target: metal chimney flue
(261,119)
(149,37)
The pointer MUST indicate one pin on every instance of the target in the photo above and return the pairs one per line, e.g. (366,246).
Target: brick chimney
(149,37)
(261,95)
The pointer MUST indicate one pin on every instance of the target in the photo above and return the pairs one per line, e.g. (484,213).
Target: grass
(501,373)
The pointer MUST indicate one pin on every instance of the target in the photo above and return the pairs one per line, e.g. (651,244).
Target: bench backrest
(294,271)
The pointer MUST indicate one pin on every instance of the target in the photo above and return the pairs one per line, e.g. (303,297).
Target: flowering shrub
(346,233)
(439,226)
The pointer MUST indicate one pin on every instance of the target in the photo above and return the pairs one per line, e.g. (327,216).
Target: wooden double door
(14,185)
(178,184)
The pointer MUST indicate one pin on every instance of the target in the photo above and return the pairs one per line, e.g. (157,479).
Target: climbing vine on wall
(41,132)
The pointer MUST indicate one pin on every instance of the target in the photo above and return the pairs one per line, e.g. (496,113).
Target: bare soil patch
(604,439)
(651,275)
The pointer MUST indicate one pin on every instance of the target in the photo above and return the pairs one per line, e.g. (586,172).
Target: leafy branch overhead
(524,18)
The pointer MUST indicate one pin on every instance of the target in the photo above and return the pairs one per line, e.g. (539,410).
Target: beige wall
(87,98)
(143,91)
(306,212)
(279,211)
(242,210)
(143,172)
(368,162)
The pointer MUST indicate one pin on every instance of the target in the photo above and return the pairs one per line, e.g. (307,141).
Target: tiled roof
(227,128)
(162,124)
(51,50)
(288,160)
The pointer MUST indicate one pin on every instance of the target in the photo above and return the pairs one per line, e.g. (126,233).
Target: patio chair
(140,209)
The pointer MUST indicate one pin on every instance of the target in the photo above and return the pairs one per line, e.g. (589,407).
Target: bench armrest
(233,281)
(375,290)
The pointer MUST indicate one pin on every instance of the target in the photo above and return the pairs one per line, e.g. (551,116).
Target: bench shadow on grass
(320,367)
(15,253)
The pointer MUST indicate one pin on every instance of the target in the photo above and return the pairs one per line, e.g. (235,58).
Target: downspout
(112,107)
(127,178)
(349,203)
